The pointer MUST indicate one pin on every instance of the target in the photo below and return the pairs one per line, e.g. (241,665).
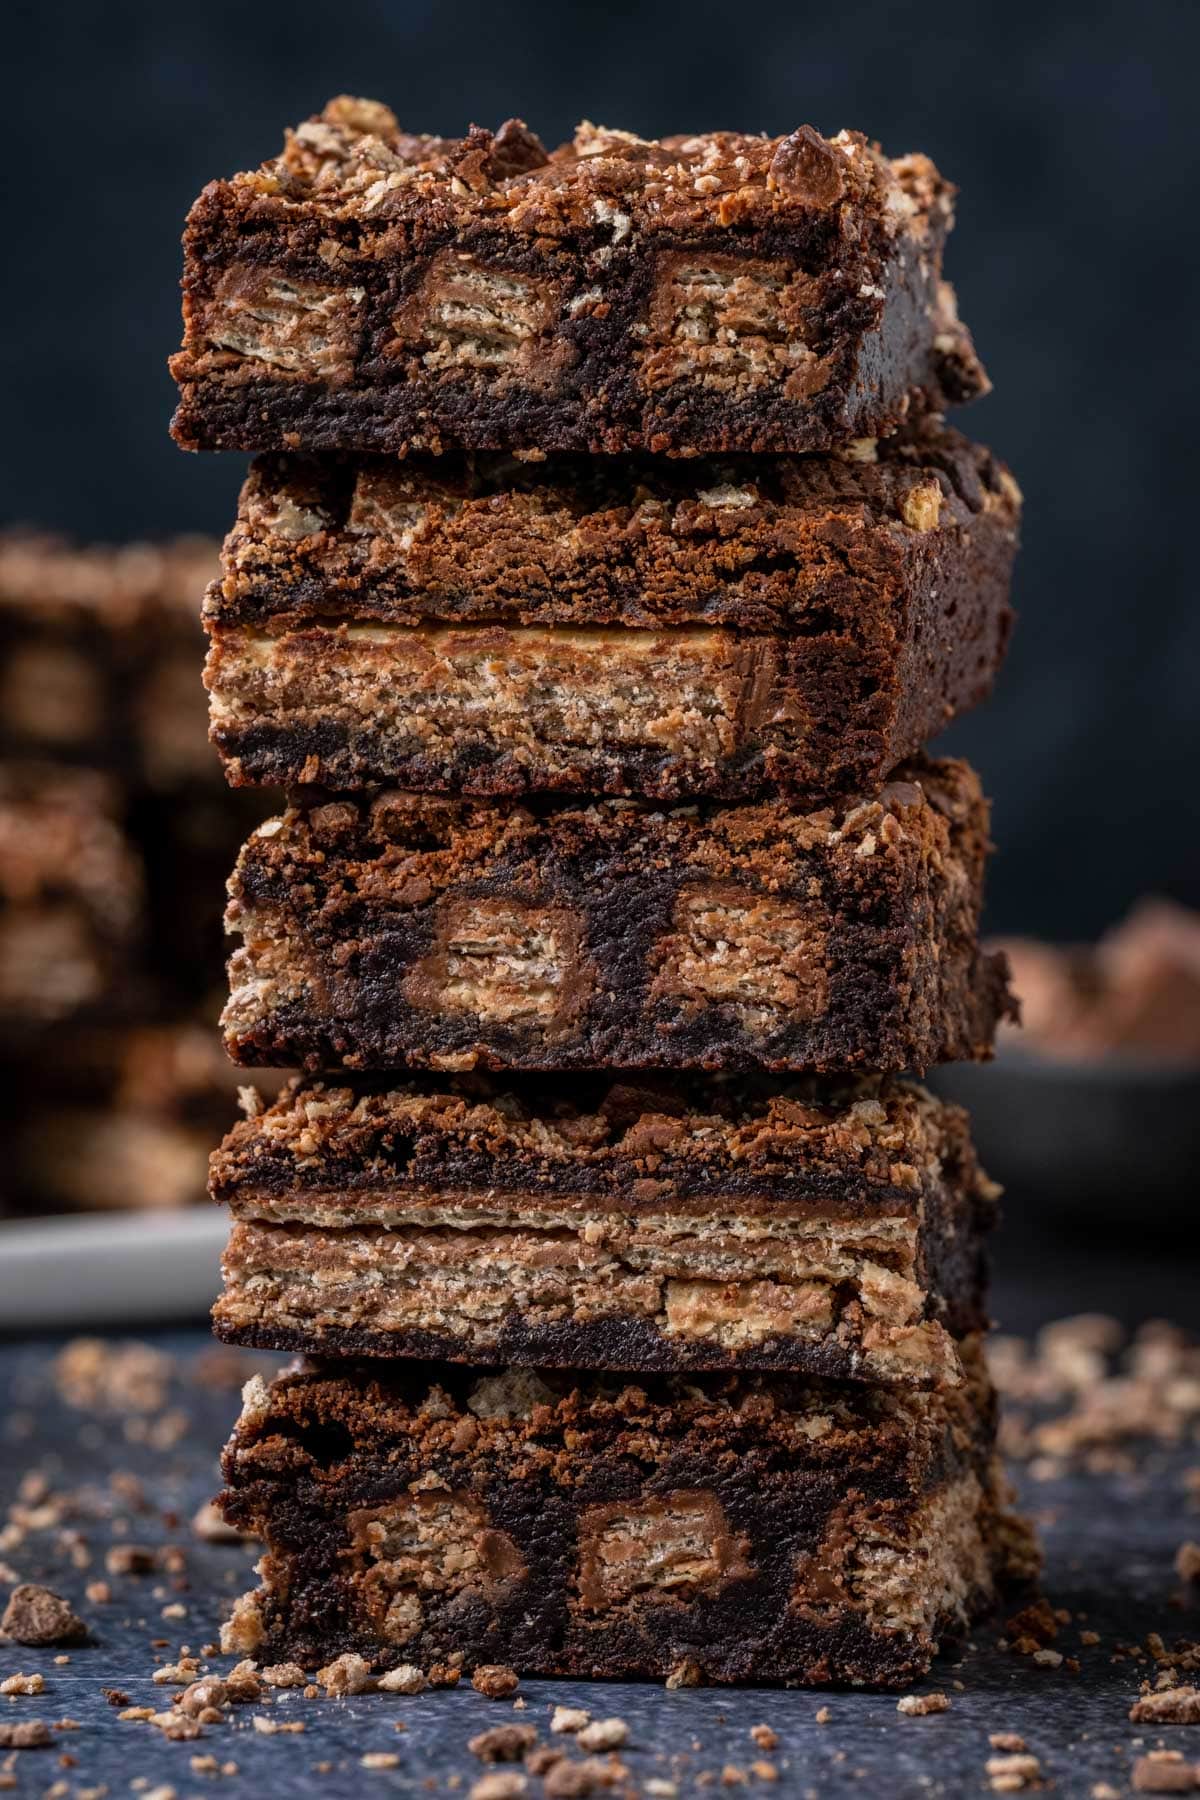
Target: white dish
(109,1268)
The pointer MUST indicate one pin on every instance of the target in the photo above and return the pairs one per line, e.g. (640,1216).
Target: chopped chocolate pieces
(585,1526)
(37,1615)
(400,930)
(375,290)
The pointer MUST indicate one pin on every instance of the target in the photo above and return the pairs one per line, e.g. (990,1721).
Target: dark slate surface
(1110,1545)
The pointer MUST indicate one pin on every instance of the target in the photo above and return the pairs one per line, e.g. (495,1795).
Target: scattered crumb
(1170,1706)
(764,1737)
(823,1715)
(37,1615)
(1187,1561)
(209,1525)
(129,1559)
(569,1718)
(1011,1774)
(1164,1772)
(499,1784)
(916,1706)
(271,1727)
(98,1593)
(1011,1741)
(407,1679)
(347,1674)
(503,1743)
(603,1734)
(380,1759)
(31,1734)
(495,1681)
(283,1675)
(23,1684)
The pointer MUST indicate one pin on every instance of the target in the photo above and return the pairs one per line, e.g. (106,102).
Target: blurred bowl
(1115,1143)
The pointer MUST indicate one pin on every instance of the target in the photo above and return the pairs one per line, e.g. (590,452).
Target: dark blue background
(1071,129)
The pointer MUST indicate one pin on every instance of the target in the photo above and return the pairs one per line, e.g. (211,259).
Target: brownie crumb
(347,1674)
(503,1743)
(407,1679)
(1011,1741)
(496,1681)
(1172,1706)
(32,1734)
(569,1718)
(23,1684)
(603,1734)
(502,1784)
(1012,1774)
(129,1559)
(1187,1562)
(283,1675)
(567,1779)
(379,1759)
(37,1615)
(1165,1772)
(764,1737)
(917,1706)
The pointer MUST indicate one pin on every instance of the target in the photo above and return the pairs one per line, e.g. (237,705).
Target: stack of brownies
(608,568)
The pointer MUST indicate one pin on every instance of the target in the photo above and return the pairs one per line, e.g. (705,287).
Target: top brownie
(374,290)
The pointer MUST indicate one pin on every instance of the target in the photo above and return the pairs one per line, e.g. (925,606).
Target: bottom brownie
(750,1528)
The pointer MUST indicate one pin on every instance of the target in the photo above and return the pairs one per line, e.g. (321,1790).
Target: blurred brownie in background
(116,832)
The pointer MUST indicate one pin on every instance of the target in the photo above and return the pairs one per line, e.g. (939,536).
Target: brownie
(120,1117)
(737,1528)
(609,625)
(98,655)
(587,1223)
(71,892)
(396,930)
(374,290)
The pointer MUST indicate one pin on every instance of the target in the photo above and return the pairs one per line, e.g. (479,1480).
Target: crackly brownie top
(354,161)
(49,580)
(884,1131)
(599,510)
(428,842)
(552,1419)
